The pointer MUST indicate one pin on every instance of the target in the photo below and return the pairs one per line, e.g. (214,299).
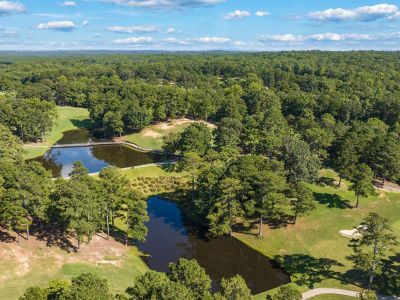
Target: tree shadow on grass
(54,237)
(326,181)
(6,237)
(82,124)
(308,270)
(388,283)
(332,200)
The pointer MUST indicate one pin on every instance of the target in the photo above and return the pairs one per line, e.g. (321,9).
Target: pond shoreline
(171,238)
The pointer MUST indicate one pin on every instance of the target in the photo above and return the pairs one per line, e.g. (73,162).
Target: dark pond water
(60,160)
(169,239)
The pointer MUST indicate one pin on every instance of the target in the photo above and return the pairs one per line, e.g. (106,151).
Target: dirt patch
(28,255)
(387,186)
(177,122)
(151,133)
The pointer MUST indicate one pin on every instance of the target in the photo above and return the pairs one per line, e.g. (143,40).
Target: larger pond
(60,160)
(170,239)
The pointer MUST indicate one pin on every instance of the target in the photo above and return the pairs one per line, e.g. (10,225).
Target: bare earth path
(321,291)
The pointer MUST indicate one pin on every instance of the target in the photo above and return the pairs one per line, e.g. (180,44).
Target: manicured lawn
(69,118)
(152,136)
(313,251)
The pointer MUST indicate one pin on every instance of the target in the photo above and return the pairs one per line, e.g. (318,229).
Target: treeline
(327,99)
(80,206)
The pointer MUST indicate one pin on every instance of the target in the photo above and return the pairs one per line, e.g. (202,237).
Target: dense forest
(279,118)
(344,107)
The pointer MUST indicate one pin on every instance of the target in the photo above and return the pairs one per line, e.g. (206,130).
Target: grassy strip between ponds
(69,118)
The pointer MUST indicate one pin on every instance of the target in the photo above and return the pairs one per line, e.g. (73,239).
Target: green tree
(192,276)
(156,285)
(270,196)
(372,246)
(286,292)
(192,163)
(197,138)
(234,288)
(361,182)
(227,208)
(34,293)
(87,286)
(301,200)
(10,146)
(135,207)
(114,190)
(77,204)
(300,163)
(367,295)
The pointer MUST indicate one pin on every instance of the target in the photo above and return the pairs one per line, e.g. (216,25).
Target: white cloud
(239,43)
(262,13)
(170,30)
(85,23)
(159,4)
(333,37)
(173,40)
(5,31)
(9,7)
(133,40)
(282,38)
(69,3)
(237,14)
(58,25)
(214,40)
(363,13)
(133,29)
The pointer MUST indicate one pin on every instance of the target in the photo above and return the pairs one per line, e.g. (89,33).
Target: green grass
(46,268)
(154,142)
(304,246)
(69,118)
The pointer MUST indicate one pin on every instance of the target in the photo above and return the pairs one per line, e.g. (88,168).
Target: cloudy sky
(250,25)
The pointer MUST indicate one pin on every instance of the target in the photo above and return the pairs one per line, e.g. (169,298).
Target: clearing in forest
(152,136)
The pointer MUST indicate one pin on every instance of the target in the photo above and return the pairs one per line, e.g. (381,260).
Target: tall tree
(301,200)
(115,190)
(10,145)
(370,248)
(135,207)
(227,208)
(361,182)
(300,163)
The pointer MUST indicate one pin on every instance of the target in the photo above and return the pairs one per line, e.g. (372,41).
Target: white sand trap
(354,233)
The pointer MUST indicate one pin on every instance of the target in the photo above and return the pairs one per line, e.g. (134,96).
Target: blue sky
(249,25)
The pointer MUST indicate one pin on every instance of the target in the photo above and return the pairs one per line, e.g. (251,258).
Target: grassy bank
(69,118)
(313,251)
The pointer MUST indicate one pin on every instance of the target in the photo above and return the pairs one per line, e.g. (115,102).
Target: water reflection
(60,160)
(169,239)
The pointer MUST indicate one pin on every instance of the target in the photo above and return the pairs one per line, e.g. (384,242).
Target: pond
(60,160)
(170,239)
